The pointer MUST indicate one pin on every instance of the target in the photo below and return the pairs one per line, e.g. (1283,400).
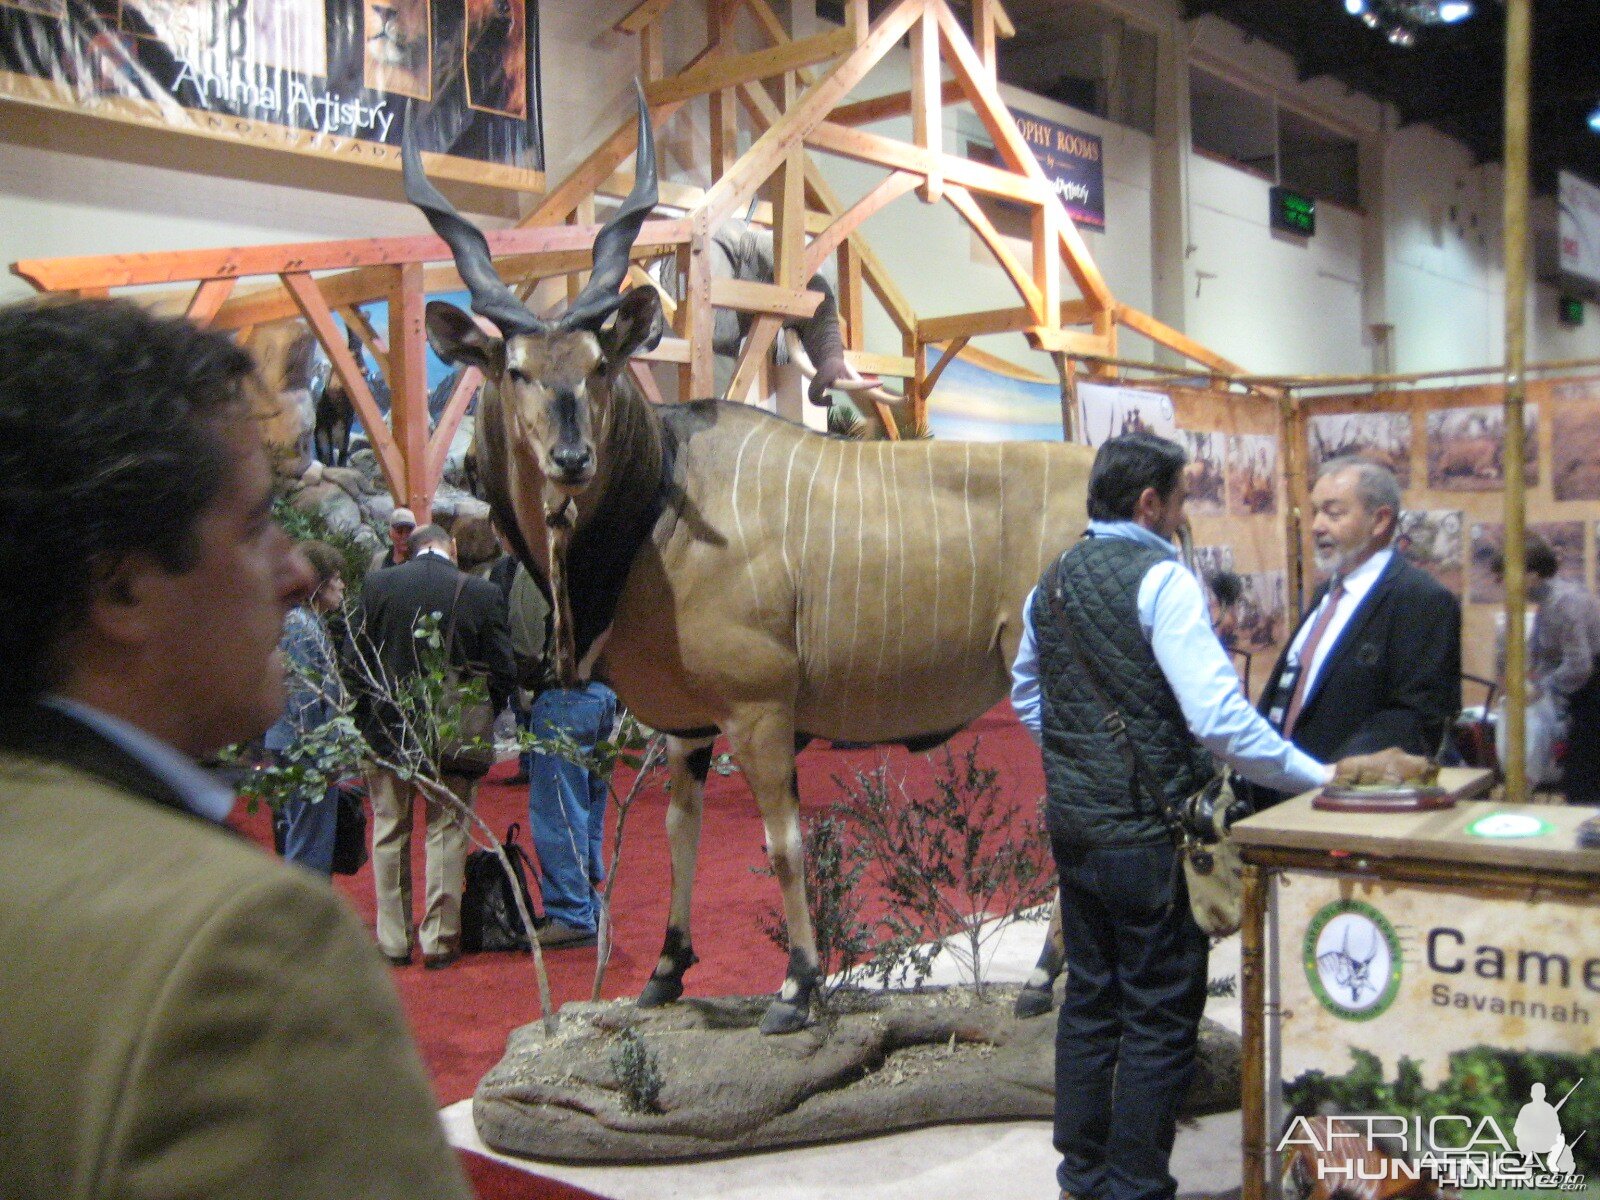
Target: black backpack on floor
(489,918)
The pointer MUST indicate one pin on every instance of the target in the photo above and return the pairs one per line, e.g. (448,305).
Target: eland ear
(637,326)
(458,339)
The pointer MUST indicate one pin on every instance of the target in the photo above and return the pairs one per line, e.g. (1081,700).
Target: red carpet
(462,1015)
(493,1180)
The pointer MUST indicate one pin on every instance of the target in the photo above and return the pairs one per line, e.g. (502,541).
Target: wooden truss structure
(792,94)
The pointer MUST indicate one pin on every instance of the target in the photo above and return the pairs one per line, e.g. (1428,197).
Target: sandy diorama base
(879,1062)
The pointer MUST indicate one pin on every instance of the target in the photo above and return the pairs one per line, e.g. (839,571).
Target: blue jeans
(1129,1023)
(567,804)
(308,832)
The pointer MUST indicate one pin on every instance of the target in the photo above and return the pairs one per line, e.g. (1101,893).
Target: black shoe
(398,960)
(558,935)
(438,962)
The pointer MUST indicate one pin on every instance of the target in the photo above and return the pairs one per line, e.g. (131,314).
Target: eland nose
(571,460)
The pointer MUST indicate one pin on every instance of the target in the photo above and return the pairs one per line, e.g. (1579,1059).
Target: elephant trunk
(823,343)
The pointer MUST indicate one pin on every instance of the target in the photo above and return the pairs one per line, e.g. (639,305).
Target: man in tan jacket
(180,1015)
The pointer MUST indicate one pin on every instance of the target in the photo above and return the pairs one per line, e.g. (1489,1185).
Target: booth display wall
(1445,445)
(1241,524)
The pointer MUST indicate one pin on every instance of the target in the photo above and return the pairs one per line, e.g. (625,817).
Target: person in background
(382,636)
(1117,623)
(1223,590)
(401,522)
(308,823)
(1376,661)
(1563,654)
(181,1015)
(567,811)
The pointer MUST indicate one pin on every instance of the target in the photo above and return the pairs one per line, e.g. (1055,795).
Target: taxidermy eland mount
(731,572)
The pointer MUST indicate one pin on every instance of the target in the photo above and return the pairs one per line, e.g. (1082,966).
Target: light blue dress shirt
(200,792)
(1174,620)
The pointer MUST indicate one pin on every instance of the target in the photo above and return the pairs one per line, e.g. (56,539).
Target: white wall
(70,185)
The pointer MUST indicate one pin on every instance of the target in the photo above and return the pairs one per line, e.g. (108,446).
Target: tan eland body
(731,572)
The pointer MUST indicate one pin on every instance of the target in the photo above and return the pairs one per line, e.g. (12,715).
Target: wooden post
(701,316)
(1518,37)
(1253,1010)
(408,384)
(1067,370)
(927,102)
(1297,493)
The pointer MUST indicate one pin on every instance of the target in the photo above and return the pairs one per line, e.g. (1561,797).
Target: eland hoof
(1032,1002)
(658,992)
(783,1017)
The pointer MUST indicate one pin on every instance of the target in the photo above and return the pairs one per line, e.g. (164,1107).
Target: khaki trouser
(393,802)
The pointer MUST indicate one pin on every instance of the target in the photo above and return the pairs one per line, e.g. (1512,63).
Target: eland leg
(1037,996)
(764,748)
(688,764)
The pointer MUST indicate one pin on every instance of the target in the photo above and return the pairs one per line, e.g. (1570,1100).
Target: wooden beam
(888,190)
(700,313)
(1047,261)
(998,320)
(313,307)
(1169,337)
(587,177)
(1070,341)
(131,270)
(927,127)
(207,299)
(876,275)
(961,200)
(983,31)
(757,345)
(444,432)
(758,163)
(355,319)
(668,350)
(746,295)
(729,71)
(851,314)
(645,378)
(881,151)
(647,12)
(408,388)
(896,366)
(996,117)
(947,355)
(895,104)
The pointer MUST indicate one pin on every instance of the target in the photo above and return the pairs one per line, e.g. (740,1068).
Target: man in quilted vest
(1118,623)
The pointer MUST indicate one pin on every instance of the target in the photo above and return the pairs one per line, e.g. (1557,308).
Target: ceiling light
(1594,119)
(1399,20)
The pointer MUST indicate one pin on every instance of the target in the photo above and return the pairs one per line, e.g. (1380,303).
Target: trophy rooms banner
(333,78)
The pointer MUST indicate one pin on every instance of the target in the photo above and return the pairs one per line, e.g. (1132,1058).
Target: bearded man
(1376,661)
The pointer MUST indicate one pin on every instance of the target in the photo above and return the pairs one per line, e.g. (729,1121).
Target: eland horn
(600,295)
(491,298)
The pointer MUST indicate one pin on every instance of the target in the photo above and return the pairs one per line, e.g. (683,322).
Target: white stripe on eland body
(972,545)
(883,595)
(833,550)
(1044,516)
(861,529)
(738,520)
(805,542)
(783,534)
(900,530)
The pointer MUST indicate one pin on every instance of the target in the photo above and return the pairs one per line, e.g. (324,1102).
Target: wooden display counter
(1418,957)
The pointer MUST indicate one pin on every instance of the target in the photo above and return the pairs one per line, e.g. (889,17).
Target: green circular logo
(1352,957)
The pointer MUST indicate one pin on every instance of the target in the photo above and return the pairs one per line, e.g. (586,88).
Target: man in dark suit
(1377,660)
(180,1014)
(382,642)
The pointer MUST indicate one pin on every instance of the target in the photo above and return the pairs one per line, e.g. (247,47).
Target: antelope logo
(1352,958)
